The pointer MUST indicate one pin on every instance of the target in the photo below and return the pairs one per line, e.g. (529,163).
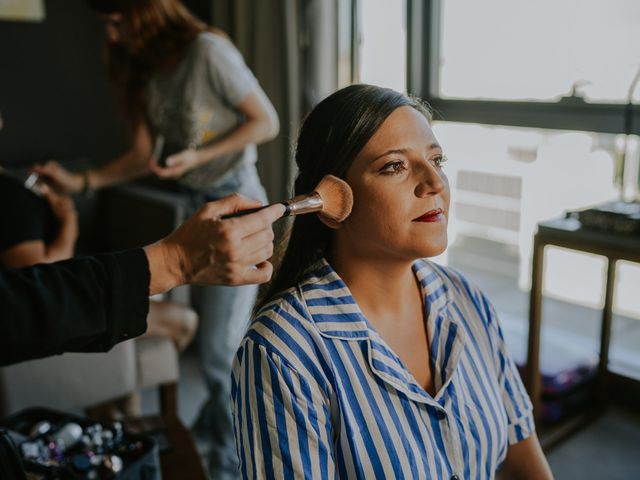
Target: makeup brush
(332,199)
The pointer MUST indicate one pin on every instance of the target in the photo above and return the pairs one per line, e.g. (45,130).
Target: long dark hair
(331,137)
(158,33)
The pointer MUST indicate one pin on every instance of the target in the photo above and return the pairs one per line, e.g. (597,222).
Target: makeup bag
(95,450)
(10,462)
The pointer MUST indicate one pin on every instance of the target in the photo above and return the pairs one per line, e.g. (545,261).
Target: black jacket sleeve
(79,305)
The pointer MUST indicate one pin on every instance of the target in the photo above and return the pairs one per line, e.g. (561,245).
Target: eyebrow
(433,146)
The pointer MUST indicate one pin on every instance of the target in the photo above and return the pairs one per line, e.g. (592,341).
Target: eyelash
(397,166)
(393,168)
(439,160)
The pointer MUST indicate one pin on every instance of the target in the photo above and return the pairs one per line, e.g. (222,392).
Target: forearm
(86,304)
(519,474)
(128,166)
(132,164)
(63,246)
(164,268)
(525,461)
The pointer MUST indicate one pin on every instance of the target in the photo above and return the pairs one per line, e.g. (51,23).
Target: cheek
(447,191)
(377,213)
(447,198)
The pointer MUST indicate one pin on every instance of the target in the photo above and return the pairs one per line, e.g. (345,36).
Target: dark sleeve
(79,305)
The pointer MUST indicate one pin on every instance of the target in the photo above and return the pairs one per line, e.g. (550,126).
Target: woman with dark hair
(196,114)
(366,360)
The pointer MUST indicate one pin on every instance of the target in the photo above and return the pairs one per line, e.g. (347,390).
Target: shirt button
(441,414)
(455,477)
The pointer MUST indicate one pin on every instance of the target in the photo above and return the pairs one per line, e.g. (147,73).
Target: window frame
(348,41)
(569,113)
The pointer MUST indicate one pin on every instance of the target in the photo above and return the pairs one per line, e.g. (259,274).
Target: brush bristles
(337,198)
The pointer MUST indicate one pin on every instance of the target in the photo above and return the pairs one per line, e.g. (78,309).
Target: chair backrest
(69,382)
(136,215)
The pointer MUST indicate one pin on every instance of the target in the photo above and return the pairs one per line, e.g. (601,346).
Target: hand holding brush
(332,199)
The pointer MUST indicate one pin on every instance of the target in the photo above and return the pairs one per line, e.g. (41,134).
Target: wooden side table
(568,233)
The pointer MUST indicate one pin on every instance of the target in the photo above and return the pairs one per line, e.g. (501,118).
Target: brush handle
(298,205)
(249,211)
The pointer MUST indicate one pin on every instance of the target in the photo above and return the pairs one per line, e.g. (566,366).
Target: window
(590,45)
(477,61)
(507,179)
(382,43)
(534,106)
(531,105)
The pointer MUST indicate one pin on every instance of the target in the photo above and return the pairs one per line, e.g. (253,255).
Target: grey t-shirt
(195,104)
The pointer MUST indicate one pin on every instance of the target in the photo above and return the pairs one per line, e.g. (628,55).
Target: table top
(569,232)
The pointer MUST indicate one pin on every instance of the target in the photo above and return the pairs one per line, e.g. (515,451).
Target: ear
(332,224)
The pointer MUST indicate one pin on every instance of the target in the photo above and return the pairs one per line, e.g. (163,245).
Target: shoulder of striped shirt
(288,306)
(284,326)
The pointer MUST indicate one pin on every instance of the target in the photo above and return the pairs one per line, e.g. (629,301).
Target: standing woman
(366,360)
(184,85)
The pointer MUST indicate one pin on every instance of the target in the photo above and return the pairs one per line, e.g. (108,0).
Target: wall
(55,97)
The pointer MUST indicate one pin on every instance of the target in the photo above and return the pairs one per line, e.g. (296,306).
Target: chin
(433,249)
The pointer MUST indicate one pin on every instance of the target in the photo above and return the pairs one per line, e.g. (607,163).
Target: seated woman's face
(401,194)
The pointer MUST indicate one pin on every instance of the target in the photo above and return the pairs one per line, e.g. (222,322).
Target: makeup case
(615,217)
(53,445)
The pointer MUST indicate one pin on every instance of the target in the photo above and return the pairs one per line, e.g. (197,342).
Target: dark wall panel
(55,97)
(54,93)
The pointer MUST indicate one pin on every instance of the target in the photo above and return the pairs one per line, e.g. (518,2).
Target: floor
(608,448)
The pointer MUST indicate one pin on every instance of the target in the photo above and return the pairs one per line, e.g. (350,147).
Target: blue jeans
(224,317)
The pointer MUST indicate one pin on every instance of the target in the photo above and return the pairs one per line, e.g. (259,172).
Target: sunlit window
(538,50)
(505,180)
(382,43)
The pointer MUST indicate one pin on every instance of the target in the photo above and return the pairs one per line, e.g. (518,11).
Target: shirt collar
(337,315)
(331,305)
(335,311)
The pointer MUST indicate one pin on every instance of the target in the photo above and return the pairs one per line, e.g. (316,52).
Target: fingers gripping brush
(331,199)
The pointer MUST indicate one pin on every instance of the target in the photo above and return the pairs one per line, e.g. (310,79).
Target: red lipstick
(434,215)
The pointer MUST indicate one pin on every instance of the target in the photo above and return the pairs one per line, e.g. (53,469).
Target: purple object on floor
(568,368)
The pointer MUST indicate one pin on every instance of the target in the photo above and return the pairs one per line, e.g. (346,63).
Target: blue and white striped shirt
(317,393)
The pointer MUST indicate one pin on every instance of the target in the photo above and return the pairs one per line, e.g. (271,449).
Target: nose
(432,181)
